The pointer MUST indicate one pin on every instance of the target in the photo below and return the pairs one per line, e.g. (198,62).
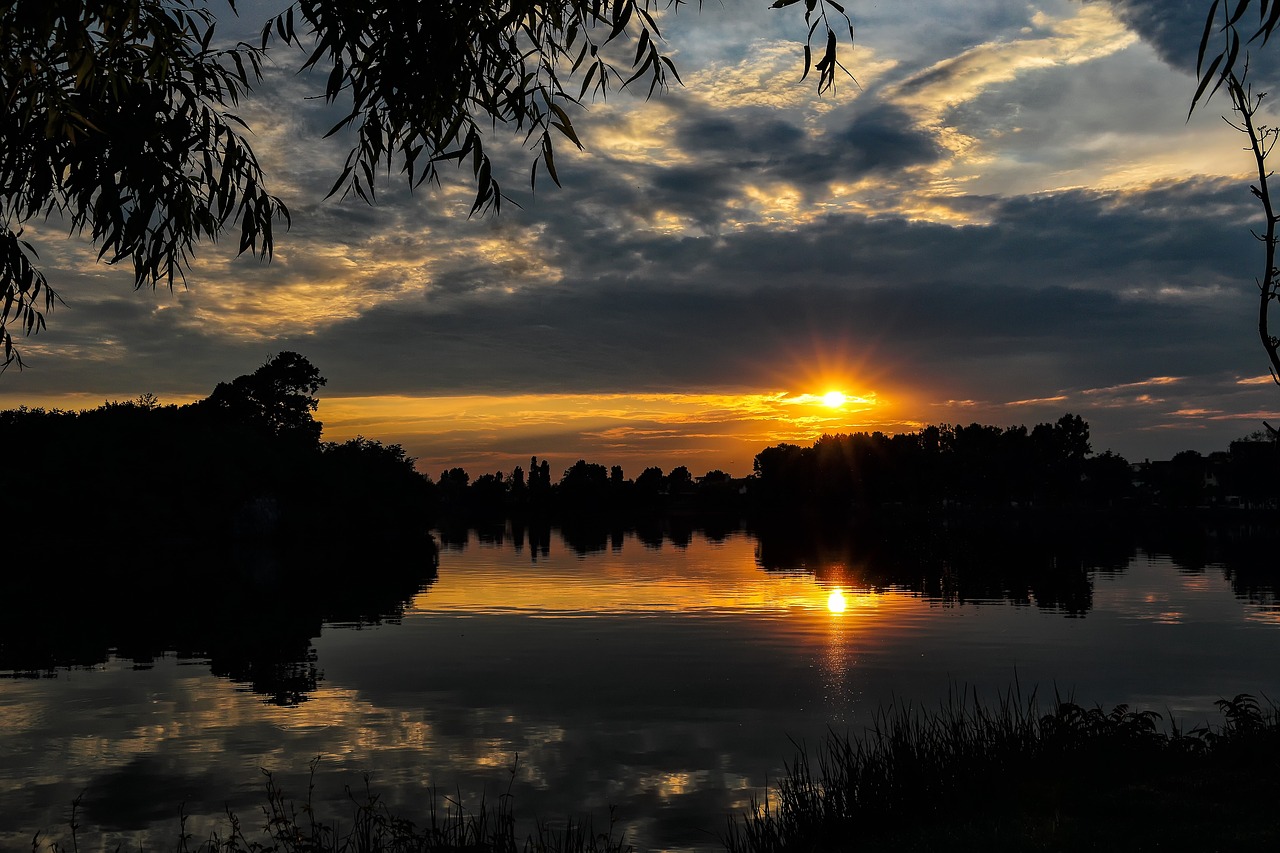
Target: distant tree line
(583,487)
(248,461)
(1050,465)
(973,464)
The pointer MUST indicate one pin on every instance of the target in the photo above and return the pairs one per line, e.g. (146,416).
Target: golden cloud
(760,78)
(1094,32)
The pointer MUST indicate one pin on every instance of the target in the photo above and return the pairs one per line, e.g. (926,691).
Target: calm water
(662,679)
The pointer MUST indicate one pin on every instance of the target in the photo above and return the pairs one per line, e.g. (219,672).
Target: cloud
(629,309)
(896,293)
(1090,34)
(1172,27)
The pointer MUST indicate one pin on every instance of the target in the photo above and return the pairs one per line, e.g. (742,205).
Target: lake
(667,671)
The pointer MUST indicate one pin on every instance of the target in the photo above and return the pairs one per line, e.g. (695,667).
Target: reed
(1009,776)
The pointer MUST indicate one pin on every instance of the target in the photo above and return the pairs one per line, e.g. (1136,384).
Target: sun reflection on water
(724,578)
(835,601)
(837,658)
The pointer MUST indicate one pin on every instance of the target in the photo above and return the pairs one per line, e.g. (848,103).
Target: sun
(833,399)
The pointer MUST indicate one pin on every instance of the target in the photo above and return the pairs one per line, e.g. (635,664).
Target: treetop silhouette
(277,398)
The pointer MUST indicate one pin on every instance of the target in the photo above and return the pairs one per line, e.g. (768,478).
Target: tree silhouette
(650,483)
(1224,71)
(539,479)
(1185,486)
(453,484)
(276,399)
(585,484)
(975,465)
(1262,139)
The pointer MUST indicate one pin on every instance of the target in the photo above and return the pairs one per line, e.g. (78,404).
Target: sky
(1006,215)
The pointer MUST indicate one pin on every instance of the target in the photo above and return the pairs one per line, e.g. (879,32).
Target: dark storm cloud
(1172,27)
(883,138)
(731,145)
(1185,232)
(716,152)
(717,132)
(697,191)
(981,340)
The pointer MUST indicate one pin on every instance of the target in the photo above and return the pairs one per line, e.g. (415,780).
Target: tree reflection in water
(250,610)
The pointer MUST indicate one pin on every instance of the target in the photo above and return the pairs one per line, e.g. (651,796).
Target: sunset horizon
(704,432)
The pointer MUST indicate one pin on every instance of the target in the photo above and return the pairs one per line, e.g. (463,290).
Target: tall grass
(1007,776)
(294,827)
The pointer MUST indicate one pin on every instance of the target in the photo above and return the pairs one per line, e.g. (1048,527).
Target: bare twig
(1262,139)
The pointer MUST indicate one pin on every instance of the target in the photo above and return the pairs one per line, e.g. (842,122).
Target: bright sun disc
(835,601)
(834,399)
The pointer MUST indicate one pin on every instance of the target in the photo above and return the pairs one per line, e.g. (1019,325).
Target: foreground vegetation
(972,777)
(966,777)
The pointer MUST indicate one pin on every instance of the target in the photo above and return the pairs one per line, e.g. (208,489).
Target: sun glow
(833,399)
